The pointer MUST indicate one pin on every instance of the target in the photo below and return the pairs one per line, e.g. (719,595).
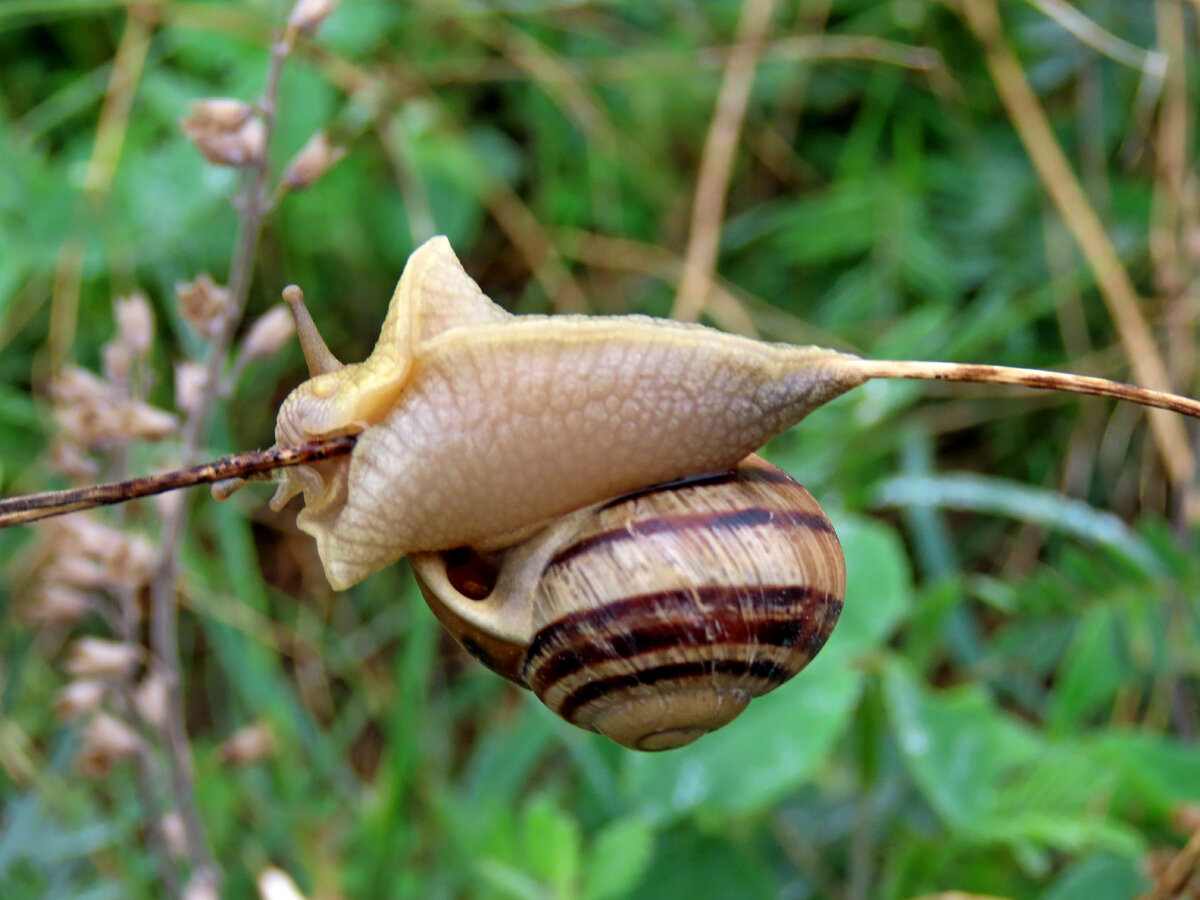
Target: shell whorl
(655,617)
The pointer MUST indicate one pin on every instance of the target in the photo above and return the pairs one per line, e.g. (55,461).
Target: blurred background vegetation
(1009,706)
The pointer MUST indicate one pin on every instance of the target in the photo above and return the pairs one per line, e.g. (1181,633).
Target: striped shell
(653,618)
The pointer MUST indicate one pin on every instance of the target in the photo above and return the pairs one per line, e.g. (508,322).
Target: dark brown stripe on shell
(792,634)
(736,668)
(648,622)
(729,519)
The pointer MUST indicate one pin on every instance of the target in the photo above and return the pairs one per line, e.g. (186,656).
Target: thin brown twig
(716,161)
(253,204)
(26,508)
(1178,873)
(1033,378)
(1111,277)
(1170,173)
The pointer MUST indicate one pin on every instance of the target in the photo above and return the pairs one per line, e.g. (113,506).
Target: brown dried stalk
(1112,280)
(25,508)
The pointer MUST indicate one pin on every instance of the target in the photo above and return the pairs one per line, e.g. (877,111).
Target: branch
(25,508)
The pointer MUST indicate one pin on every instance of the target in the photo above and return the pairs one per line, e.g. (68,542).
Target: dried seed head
(276,884)
(226,132)
(87,534)
(117,357)
(55,604)
(131,564)
(248,745)
(272,330)
(171,828)
(91,411)
(203,304)
(135,322)
(191,381)
(313,160)
(79,697)
(65,457)
(92,657)
(76,571)
(220,114)
(140,421)
(106,741)
(152,700)
(307,15)
(75,386)
(201,886)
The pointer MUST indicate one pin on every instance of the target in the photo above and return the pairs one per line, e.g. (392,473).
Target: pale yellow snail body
(477,428)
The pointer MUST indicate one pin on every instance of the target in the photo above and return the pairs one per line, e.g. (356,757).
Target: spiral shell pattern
(711,592)
(658,615)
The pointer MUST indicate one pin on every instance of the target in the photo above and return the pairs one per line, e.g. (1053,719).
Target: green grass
(1009,706)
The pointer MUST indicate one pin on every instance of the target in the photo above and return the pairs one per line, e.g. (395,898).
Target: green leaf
(1091,673)
(956,744)
(619,858)
(1099,877)
(552,845)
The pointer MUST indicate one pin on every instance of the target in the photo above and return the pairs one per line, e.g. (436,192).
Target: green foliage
(1009,703)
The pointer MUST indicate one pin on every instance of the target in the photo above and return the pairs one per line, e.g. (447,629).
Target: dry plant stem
(716,162)
(1032,378)
(127,68)
(1112,279)
(163,639)
(32,507)
(1179,872)
(1171,169)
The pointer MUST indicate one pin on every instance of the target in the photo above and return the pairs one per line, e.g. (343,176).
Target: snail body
(653,618)
(478,428)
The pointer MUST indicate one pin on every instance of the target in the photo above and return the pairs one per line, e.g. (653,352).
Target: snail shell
(655,617)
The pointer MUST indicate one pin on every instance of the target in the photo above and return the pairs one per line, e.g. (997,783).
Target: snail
(655,617)
(577,495)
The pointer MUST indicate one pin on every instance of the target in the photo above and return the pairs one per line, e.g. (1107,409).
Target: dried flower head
(152,699)
(201,886)
(203,304)
(135,322)
(106,741)
(171,828)
(79,697)
(92,657)
(76,570)
(55,604)
(92,411)
(131,564)
(271,331)
(248,745)
(65,457)
(307,15)
(117,360)
(276,884)
(226,131)
(191,381)
(312,161)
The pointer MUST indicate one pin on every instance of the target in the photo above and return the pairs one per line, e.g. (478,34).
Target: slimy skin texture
(477,427)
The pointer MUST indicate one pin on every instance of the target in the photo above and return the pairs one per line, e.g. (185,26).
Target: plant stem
(25,508)
(1032,378)
(252,208)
